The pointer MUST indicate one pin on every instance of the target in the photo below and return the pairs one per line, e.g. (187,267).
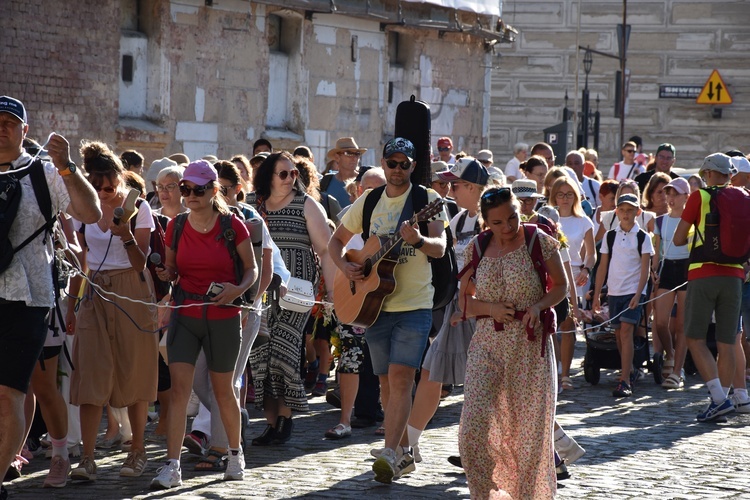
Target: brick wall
(61,59)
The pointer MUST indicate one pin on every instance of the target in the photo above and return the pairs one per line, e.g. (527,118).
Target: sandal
(380,431)
(338,432)
(213,461)
(673,381)
(668,367)
(567,384)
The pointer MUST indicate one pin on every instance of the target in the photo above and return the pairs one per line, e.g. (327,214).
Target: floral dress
(506,432)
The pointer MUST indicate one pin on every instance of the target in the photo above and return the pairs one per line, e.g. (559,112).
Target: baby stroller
(602,352)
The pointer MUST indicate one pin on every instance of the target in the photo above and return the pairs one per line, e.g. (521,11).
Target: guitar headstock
(429,212)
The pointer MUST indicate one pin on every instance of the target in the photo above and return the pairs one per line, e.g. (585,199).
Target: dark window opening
(127,68)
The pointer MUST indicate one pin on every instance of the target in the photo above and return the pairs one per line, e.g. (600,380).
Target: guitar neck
(392,241)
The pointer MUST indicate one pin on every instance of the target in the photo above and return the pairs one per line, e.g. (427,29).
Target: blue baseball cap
(14,107)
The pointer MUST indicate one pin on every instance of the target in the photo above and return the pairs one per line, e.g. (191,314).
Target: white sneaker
(385,466)
(168,476)
(404,465)
(235,467)
(194,405)
(740,406)
(416,454)
(571,451)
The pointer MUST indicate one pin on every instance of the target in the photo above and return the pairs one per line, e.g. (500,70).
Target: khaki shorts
(115,354)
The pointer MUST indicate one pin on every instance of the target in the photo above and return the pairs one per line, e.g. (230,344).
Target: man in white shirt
(512,170)
(575,160)
(628,168)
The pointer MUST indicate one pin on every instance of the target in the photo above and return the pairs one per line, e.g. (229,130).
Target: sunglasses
(354,154)
(444,149)
(286,173)
(106,189)
(405,165)
(198,191)
(225,190)
(629,151)
(496,195)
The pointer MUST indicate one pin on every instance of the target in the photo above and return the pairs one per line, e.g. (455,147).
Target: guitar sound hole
(367,268)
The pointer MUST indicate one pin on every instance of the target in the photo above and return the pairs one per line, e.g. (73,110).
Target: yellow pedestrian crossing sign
(714,91)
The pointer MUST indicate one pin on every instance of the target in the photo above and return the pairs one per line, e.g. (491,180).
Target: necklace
(206,227)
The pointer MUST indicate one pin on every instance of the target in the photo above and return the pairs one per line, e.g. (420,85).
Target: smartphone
(214,289)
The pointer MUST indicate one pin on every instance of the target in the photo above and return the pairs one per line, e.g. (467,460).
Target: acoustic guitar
(359,303)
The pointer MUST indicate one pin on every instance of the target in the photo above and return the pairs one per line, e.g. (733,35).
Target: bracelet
(419,244)
(129,243)
(588,269)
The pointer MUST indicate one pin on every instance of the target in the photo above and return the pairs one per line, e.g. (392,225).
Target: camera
(214,289)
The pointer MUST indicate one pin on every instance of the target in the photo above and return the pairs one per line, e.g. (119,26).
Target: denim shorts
(618,304)
(399,338)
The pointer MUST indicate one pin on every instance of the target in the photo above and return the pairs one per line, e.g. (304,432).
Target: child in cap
(626,252)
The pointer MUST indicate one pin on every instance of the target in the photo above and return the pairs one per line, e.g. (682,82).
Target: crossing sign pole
(714,91)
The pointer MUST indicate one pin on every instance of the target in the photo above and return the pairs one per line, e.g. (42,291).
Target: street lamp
(588,60)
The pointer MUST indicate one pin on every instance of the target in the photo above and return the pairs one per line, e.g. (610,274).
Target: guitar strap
(371,201)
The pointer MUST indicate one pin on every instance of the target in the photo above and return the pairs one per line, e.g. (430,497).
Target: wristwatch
(69,169)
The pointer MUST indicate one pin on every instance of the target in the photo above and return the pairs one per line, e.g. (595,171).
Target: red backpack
(531,234)
(726,238)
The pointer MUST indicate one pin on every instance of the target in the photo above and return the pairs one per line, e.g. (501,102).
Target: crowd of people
(219,281)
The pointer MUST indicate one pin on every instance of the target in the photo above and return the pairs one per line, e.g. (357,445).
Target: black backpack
(444,269)
(10,200)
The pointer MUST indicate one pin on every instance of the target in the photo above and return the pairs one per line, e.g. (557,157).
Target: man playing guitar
(398,336)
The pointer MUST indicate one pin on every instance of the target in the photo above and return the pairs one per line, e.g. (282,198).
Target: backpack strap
(43,199)
(617,169)
(229,235)
(371,200)
(419,201)
(326,181)
(177,228)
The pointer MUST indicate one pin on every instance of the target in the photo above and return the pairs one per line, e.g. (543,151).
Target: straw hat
(344,144)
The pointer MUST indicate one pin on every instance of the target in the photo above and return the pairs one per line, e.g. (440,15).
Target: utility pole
(623,59)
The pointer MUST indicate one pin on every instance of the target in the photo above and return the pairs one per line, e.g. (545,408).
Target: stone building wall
(60,59)
(673,42)
(203,75)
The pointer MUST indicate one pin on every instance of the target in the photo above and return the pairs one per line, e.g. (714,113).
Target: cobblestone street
(648,446)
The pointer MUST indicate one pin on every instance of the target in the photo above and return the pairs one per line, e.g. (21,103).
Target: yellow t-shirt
(413,273)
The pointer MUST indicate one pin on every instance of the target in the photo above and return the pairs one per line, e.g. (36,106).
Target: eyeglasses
(225,189)
(496,195)
(198,191)
(629,151)
(566,196)
(169,187)
(106,189)
(352,154)
(405,165)
(444,149)
(286,173)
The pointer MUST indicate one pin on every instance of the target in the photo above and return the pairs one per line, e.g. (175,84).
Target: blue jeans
(399,338)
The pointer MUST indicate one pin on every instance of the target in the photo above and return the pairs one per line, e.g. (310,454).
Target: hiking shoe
(167,476)
(235,467)
(622,390)
(195,443)
(86,470)
(134,464)
(570,452)
(740,406)
(714,410)
(385,466)
(57,477)
(405,465)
